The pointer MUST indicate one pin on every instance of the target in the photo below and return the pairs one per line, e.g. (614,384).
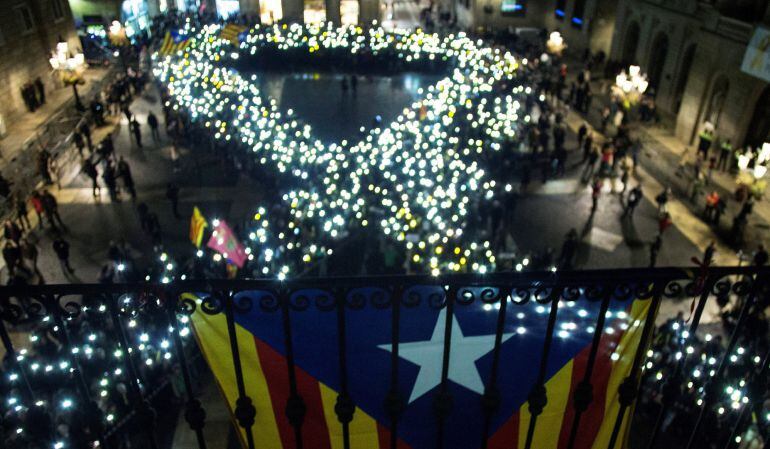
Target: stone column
(368,10)
(333,11)
(249,7)
(293,10)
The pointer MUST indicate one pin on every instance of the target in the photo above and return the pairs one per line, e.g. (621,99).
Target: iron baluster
(295,405)
(344,408)
(393,402)
(584,391)
(442,402)
(244,408)
(490,401)
(627,390)
(538,397)
(194,414)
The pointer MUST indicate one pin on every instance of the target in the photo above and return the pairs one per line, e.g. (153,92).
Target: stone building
(582,23)
(29,32)
(692,52)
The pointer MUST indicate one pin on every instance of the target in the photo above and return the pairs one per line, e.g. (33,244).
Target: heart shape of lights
(418,178)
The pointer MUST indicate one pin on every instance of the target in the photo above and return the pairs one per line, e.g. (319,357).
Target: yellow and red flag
(232,32)
(173,42)
(197,225)
(262,346)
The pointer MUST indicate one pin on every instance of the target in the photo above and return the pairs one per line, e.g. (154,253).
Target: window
(25,18)
(561,6)
(516,8)
(577,13)
(58,9)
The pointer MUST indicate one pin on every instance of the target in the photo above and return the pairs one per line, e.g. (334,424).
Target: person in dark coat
(124,172)
(152,122)
(89,168)
(172,193)
(62,249)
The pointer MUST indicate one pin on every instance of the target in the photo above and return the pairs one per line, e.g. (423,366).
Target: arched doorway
(684,75)
(717,101)
(658,54)
(759,127)
(630,44)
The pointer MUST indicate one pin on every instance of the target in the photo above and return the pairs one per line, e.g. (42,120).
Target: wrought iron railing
(75,316)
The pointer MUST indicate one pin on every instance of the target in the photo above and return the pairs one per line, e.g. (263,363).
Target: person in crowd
(634,198)
(22,212)
(725,155)
(51,209)
(89,168)
(662,200)
(62,249)
(77,139)
(152,122)
(124,172)
(111,181)
(172,193)
(136,131)
(760,256)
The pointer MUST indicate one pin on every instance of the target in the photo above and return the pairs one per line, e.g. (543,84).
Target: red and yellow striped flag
(197,225)
(231,31)
(173,43)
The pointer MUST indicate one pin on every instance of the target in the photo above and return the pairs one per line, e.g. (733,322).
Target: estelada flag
(173,42)
(224,241)
(314,330)
(197,225)
(232,32)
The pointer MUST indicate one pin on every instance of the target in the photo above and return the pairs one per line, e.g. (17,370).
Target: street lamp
(631,85)
(70,69)
(119,38)
(555,43)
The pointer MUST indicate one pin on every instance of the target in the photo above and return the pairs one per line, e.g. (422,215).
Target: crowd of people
(739,410)
(538,146)
(43,403)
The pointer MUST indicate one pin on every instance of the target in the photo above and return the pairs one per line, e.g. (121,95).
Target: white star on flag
(463,354)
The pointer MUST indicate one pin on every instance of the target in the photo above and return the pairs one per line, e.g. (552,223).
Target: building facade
(692,53)
(29,32)
(582,23)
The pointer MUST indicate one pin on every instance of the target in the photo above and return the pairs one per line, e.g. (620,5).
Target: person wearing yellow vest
(706,137)
(725,151)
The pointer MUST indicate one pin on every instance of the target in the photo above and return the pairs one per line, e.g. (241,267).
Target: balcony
(452,361)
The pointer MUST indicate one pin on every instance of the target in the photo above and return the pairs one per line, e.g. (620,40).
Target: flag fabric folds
(223,241)
(173,42)
(368,353)
(232,32)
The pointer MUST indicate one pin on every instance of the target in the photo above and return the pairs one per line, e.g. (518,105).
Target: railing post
(143,408)
(11,351)
(93,413)
(584,391)
(194,414)
(344,408)
(628,389)
(394,404)
(244,408)
(295,405)
(538,397)
(442,402)
(490,401)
